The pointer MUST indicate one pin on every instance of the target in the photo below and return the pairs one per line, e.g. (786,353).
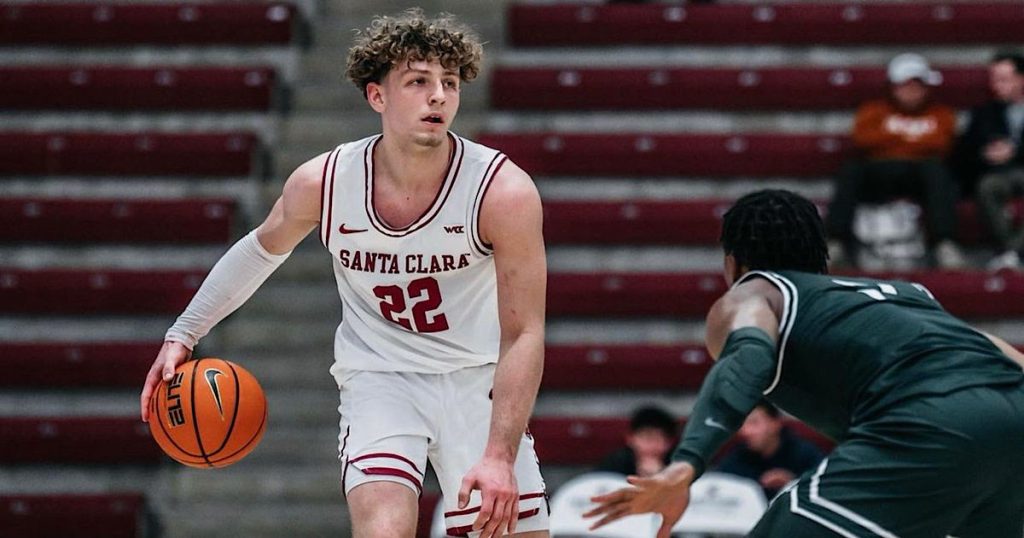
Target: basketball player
(437,248)
(928,412)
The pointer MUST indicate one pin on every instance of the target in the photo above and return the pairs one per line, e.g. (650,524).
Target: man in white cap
(901,144)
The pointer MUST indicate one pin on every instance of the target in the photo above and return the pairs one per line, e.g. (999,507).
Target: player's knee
(385,527)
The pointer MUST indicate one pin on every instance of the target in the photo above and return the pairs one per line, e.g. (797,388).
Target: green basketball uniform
(929,414)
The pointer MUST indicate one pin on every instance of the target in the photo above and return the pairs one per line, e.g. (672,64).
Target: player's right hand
(171,355)
(666,493)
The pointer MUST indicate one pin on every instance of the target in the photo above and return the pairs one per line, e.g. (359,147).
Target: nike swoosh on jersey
(712,423)
(211,379)
(345,230)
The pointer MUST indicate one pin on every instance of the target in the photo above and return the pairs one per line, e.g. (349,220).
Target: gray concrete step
(673,122)
(737,56)
(222,517)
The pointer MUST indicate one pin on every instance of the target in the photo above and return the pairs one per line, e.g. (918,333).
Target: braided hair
(775,230)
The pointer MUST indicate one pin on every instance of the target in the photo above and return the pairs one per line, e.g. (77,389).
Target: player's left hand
(499,494)
(666,493)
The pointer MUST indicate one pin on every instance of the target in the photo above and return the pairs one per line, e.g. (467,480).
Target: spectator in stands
(652,434)
(989,155)
(901,143)
(769,452)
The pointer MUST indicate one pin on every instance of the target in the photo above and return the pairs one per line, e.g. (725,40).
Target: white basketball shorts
(393,422)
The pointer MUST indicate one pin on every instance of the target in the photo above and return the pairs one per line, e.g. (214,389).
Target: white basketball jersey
(421,298)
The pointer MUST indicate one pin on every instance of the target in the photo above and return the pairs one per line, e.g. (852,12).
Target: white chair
(573,499)
(722,504)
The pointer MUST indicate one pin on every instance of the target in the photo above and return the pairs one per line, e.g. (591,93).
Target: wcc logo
(454,229)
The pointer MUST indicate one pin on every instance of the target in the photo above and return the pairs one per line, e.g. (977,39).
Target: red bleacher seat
(131,88)
(821,23)
(119,221)
(151,154)
(427,504)
(680,222)
(65,291)
(95,515)
(972,294)
(75,364)
(179,23)
(72,440)
(661,154)
(586,440)
(635,88)
(597,366)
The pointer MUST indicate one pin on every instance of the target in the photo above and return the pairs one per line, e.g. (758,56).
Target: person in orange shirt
(902,142)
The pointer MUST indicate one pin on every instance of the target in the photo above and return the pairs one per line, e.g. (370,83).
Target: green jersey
(849,348)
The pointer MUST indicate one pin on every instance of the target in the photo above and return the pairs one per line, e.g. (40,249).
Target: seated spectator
(989,154)
(769,453)
(902,142)
(649,443)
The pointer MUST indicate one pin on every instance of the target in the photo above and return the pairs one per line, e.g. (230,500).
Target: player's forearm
(730,391)
(238,274)
(516,382)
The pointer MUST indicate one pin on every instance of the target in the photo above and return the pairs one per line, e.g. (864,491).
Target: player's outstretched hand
(666,493)
(171,355)
(499,494)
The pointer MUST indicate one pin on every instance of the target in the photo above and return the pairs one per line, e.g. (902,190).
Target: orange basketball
(211,414)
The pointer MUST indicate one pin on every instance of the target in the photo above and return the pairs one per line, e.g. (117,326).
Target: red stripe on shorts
(464,530)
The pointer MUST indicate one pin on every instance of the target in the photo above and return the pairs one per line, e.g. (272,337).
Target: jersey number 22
(393,305)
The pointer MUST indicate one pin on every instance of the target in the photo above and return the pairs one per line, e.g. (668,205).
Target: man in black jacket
(989,154)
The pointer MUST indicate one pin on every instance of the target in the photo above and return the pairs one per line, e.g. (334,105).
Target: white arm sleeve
(238,274)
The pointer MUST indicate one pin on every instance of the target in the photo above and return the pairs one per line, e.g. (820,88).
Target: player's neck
(410,166)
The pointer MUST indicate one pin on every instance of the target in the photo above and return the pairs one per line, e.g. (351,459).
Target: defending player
(437,248)
(928,412)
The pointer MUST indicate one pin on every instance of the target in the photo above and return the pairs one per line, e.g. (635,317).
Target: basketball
(211,413)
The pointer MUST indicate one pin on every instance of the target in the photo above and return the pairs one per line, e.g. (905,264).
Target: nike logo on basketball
(345,230)
(211,379)
(712,423)
(455,229)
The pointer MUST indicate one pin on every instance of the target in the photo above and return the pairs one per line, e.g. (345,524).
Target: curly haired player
(439,258)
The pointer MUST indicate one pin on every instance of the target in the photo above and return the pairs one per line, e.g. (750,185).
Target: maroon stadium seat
(83,515)
(115,221)
(971,294)
(172,24)
(821,23)
(131,88)
(64,291)
(636,367)
(661,154)
(75,364)
(682,222)
(586,440)
(428,503)
(554,88)
(75,440)
(148,154)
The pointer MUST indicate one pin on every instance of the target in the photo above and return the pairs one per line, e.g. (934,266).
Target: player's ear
(375,96)
(730,269)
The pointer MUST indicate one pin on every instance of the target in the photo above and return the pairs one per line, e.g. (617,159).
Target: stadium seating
(972,294)
(83,292)
(77,440)
(585,440)
(75,364)
(633,88)
(634,367)
(677,222)
(219,89)
(819,23)
(172,24)
(65,220)
(96,515)
(641,154)
(137,154)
